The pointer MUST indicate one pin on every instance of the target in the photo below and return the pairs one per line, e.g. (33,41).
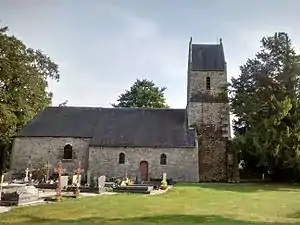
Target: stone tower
(208,108)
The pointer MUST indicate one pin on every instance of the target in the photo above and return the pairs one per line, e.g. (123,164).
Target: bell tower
(208,107)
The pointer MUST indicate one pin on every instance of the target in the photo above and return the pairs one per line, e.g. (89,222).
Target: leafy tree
(23,88)
(143,94)
(265,100)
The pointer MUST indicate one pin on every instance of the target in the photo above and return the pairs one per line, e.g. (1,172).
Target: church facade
(188,144)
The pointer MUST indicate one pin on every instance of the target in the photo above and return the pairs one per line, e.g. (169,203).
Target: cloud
(100,49)
(96,73)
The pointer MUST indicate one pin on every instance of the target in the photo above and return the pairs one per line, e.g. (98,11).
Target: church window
(163,159)
(121,158)
(68,152)
(207,83)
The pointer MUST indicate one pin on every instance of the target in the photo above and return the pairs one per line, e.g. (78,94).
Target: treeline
(265,101)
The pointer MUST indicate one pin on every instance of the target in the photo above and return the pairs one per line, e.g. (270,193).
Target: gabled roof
(207,57)
(138,127)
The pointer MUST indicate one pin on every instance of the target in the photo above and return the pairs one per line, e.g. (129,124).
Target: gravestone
(26,175)
(64,182)
(164,177)
(95,182)
(101,183)
(136,180)
(19,195)
(88,178)
(75,181)
(8,176)
(1,184)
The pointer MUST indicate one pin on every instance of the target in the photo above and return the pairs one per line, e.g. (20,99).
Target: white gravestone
(75,181)
(164,176)
(26,175)
(64,182)
(101,183)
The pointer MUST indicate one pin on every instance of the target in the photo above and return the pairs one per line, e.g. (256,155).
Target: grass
(210,204)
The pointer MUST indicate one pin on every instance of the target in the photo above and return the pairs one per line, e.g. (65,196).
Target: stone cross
(26,175)
(58,189)
(78,179)
(48,170)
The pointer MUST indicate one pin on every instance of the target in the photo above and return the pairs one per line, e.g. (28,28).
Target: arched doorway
(144,170)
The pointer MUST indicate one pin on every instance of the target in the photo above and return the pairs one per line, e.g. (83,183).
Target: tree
(265,100)
(143,94)
(23,88)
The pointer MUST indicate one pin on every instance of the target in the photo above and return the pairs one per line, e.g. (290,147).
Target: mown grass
(210,204)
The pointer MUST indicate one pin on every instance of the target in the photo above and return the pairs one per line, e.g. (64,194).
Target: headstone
(164,176)
(19,195)
(1,184)
(88,178)
(76,179)
(136,180)
(26,175)
(30,178)
(8,176)
(95,182)
(101,183)
(64,182)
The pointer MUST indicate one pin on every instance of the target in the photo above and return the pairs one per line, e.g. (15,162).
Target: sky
(103,46)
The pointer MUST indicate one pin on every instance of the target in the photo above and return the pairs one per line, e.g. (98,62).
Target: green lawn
(184,204)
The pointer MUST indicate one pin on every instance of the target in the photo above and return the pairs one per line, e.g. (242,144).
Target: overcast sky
(102,46)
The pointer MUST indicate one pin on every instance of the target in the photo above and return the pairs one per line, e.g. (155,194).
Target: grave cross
(78,172)
(58,188)
(48,166)
(26,175)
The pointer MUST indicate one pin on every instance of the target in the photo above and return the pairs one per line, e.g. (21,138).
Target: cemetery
(52,185)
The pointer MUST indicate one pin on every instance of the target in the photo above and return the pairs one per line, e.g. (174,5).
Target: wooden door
(144,170)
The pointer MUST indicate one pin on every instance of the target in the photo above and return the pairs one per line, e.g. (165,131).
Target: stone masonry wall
(40,149)
(212,160)
(209,112)
(182,163)
(197,80)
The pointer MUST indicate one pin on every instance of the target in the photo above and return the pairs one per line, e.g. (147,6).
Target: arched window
(207,83)
(121,158)
(68,152)
(163,159)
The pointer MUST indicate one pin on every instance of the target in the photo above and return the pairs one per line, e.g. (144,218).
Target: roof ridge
(106,108)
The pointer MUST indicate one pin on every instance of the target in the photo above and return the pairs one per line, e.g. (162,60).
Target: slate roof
(208,57)
(139,127)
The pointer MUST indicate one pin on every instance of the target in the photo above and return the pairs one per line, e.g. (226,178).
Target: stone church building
(188,144)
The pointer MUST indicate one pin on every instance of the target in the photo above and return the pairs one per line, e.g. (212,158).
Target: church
(190,144)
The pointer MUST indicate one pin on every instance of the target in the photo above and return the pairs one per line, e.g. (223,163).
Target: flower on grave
(128,181)
(163,185)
